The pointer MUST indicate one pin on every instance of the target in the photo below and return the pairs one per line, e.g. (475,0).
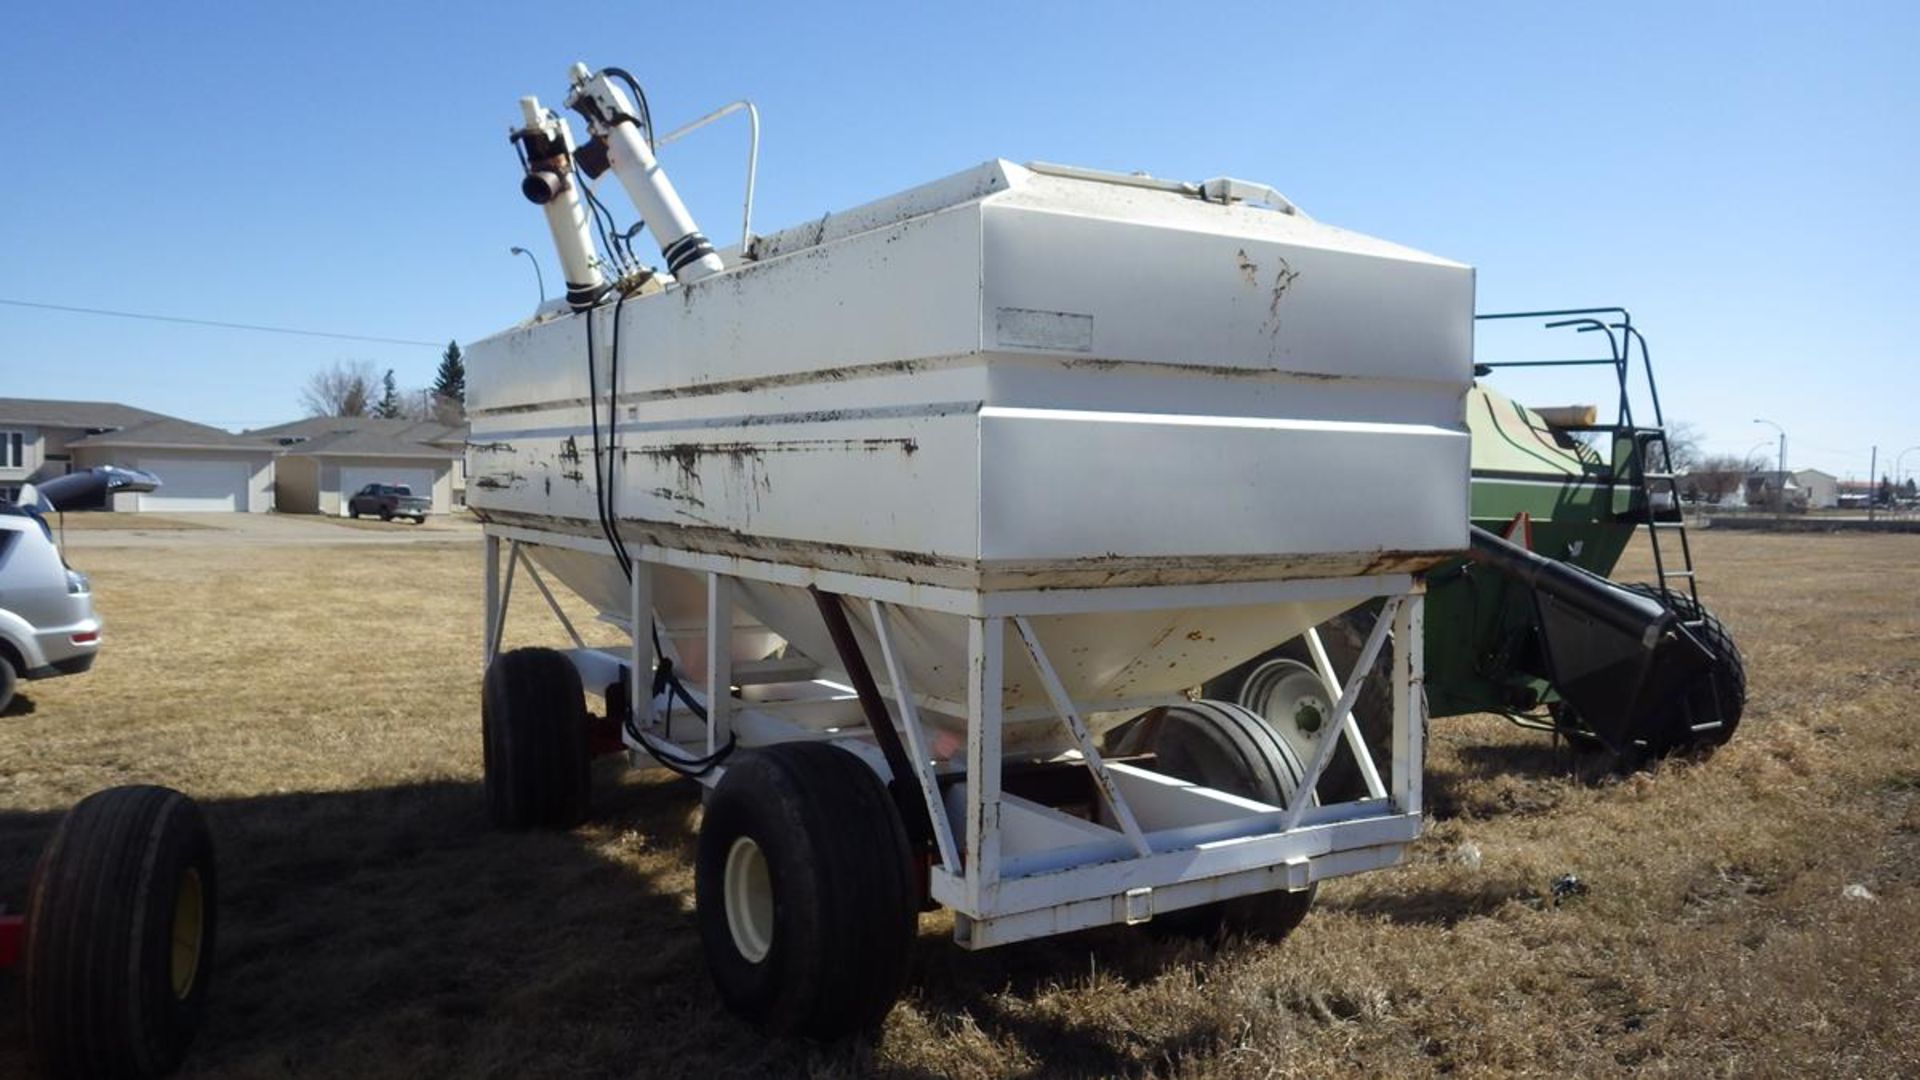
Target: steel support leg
(719,658)
(986,658)
(490,594)
(640,656)
(497,625)
(1409,702)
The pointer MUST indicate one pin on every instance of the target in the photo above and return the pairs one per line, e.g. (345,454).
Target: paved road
(223,530)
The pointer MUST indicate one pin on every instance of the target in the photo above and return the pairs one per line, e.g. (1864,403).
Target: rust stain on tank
(677,496)
(1249,270)
(1283,280)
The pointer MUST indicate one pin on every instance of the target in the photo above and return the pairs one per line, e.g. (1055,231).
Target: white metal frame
(1010,868)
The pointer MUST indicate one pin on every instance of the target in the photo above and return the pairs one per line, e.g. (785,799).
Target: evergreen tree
(389,406)
(451,380)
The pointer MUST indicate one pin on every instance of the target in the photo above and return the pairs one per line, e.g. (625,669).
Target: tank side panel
(1349,430)
(1148,288)
(1091,485)
(778,401)
(884,297)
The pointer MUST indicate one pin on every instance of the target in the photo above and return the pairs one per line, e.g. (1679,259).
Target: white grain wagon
(922,519)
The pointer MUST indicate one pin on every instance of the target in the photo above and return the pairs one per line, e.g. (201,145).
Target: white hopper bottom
(1105,658)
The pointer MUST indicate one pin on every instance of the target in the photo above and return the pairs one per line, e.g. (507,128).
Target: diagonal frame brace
(1077,727)
(1356,741)
(916,739)
(1342,713)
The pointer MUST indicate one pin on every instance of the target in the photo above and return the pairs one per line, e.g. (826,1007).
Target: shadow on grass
(1443,906)
(21,705)
(391,932)
(1494,779)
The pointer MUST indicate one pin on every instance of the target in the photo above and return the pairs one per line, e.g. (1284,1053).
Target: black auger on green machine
(1529,626)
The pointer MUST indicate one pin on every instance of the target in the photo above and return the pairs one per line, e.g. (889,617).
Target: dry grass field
(322,702)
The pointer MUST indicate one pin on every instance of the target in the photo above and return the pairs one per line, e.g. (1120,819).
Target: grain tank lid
(1222,206)
(969,185)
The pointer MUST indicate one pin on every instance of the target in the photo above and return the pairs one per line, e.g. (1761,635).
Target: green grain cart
(1529,626)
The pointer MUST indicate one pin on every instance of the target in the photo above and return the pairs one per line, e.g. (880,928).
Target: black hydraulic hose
(639,100)
(605,472)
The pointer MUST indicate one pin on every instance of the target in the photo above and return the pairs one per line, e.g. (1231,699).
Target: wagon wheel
(1224,746)
(9,682)
(537,742)
(806,896)
(1282,686)
(121,916)
(1719,692)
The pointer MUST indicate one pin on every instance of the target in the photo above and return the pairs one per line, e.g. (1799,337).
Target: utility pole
(1873,482)
(1780,478)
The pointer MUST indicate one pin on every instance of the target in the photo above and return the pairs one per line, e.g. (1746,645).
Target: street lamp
(1780,492)
(538,278)
(1897,459)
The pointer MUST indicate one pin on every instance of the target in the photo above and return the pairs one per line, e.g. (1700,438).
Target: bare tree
(1683,442)
(424,404)
(345,389)
(1713,478)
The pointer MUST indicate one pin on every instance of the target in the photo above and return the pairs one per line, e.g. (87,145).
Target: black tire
(533,721)
(1229,748)
(1344,637)
(353,512)
(386,514)
(844,903)
(9,683)
(116,976)
(1722,687)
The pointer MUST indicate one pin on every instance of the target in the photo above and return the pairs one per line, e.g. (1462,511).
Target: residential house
(323,460)
(1823,489)
(200,468)
(1770,488)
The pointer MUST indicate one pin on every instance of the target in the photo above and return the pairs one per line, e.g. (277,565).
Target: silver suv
(47,624)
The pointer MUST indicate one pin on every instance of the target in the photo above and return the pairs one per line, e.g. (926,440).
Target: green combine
(1529,626)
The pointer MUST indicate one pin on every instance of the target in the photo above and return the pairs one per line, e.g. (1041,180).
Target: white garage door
(190,485)
(355,477)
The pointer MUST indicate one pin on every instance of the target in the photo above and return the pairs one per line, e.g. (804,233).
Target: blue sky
(1742,176)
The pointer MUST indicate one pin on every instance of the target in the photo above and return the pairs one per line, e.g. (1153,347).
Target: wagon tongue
(1614,654)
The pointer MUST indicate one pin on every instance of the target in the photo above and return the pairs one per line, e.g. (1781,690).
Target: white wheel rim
(1290,697)
(749,899)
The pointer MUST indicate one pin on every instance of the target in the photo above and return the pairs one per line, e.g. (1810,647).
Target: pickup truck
(389,501)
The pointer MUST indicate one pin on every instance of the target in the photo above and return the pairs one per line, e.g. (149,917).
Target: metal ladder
(1622,339)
